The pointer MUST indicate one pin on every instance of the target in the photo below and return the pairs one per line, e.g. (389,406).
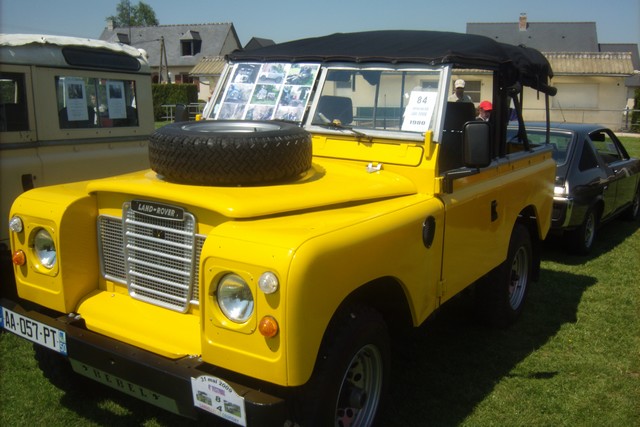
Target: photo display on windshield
(272,91)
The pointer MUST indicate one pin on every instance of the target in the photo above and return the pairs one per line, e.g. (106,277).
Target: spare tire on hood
(230,152)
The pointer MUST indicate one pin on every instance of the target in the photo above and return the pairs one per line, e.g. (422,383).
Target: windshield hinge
(371,167)
(440,289)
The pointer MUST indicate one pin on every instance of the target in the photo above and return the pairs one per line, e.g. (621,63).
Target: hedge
(171,94)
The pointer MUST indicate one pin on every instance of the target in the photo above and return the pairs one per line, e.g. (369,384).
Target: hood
(326,184)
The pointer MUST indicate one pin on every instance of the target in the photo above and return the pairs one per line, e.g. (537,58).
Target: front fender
(331,267)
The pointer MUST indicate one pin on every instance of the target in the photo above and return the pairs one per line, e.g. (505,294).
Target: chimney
(522,23)
(110,25)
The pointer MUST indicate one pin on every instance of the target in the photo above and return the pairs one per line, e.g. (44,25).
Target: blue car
(596,180)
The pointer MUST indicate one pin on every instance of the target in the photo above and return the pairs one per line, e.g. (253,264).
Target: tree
(140,15)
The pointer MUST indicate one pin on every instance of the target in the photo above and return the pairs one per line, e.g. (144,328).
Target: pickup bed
(258,270)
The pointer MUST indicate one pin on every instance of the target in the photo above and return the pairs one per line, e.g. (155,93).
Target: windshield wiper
(337,125)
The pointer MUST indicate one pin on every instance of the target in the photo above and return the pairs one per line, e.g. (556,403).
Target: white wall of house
(590,99)
(206,86)
(581,99)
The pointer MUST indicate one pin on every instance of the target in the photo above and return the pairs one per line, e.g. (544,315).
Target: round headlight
(45,248)
(235,298)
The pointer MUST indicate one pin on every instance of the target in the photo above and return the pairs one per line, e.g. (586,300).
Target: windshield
(372,99)
(559,141)
(379,99)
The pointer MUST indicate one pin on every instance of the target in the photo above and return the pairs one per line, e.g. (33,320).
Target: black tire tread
(219,158)
(492,295)
(347,327)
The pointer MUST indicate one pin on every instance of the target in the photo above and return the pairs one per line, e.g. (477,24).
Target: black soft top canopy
(519,63)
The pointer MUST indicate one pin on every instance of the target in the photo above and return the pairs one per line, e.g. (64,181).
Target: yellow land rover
(333,195)
(70,109)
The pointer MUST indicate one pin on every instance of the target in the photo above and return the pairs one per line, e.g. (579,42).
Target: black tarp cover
(520,64)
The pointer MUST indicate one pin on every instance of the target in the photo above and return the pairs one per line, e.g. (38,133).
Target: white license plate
(34,331)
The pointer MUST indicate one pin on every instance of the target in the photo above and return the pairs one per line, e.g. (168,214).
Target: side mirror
(476,144)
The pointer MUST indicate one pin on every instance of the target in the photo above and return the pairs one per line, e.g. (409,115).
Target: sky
(617,21)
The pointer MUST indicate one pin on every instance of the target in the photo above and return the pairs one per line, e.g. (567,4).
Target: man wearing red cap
(484,111)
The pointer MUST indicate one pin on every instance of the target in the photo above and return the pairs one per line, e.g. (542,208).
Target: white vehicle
(70,109)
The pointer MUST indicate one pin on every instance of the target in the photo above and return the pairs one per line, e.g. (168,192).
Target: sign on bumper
(216,396)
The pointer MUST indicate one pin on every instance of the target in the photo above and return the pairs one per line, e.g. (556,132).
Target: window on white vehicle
(13,103)
(86,102)
(379,99)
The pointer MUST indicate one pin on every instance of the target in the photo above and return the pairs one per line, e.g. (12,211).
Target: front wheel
(502,293)
(350,375)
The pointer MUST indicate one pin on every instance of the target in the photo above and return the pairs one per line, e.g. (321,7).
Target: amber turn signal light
(268,327)
(19,258)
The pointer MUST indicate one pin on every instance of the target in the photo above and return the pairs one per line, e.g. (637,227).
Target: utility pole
(164,64)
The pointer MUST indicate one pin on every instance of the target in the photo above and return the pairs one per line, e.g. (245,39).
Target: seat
(130,120)
(65,123)
(13,117)
(334,108)
(456,115)
(182,113)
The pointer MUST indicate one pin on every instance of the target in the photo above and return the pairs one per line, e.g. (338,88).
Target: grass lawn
(573,359)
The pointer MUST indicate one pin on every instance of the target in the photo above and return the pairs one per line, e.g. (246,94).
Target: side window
(606,147)
(472,88)
(87,102)
(13,103)
(560,144)
(587,158)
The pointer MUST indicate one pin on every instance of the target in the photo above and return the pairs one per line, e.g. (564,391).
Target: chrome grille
(157,258)
(111,243)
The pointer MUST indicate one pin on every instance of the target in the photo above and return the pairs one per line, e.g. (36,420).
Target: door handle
(494,210)
(27,182)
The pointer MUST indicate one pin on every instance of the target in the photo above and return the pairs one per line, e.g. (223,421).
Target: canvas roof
(404,46)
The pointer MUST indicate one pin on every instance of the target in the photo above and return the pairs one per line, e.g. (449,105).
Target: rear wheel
(633,211)
(350,375)
(502,293)
(581,239)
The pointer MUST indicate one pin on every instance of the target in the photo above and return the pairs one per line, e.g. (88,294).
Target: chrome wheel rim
(518,278)
(361,389)
(635,205)
(589,230)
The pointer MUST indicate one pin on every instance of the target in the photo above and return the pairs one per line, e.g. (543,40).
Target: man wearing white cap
(458,95)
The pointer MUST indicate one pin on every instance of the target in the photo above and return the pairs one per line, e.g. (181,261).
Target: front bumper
(169,384)
(562,211)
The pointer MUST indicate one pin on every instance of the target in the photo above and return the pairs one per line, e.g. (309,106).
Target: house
(208,71)
(257,42)
(174,50)
(210,68)
(596,82)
